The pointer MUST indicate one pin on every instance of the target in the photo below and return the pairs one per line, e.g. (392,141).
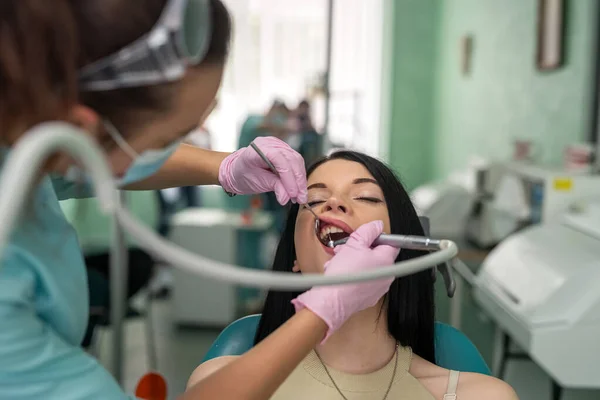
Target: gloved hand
(335,304)
(244,172)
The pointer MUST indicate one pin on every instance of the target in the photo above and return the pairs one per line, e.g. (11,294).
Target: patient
(386,352)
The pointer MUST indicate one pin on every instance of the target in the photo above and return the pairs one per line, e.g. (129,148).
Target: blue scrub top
(44,307)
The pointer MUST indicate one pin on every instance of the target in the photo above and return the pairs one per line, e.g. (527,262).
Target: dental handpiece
(399,241)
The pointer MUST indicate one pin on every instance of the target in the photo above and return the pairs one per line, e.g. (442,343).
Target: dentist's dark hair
(44,44)
(410,304)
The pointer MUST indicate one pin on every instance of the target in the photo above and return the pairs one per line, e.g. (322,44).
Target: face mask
(144,165)
(147,164)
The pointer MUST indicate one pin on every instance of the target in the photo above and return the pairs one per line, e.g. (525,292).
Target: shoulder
(209,367)
(472,386)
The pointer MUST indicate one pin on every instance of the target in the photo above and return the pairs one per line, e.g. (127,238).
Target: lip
(326,249)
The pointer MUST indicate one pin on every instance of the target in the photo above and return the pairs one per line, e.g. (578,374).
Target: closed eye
(314,203)
(370,199)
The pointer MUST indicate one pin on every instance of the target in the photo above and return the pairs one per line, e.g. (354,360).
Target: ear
(295,268)
(85,118)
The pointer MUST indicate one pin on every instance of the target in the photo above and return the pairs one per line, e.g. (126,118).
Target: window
(279,51)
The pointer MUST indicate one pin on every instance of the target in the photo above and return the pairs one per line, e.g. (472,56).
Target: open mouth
(330,232)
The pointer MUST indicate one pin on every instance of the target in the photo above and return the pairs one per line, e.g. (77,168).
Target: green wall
(505,96)
(436,118)
(410,59)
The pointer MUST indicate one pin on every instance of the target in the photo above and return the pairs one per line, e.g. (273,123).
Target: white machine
(542,287)
(212,233)
(514,195)
(446,204)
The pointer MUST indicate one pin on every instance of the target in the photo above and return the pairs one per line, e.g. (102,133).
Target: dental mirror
(317,220)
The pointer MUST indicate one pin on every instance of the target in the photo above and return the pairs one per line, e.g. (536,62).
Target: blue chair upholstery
(453,349)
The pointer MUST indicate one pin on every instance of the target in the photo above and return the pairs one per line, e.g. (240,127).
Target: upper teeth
(328,230)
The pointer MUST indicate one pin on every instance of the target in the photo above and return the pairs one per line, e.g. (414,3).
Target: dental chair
(453,349)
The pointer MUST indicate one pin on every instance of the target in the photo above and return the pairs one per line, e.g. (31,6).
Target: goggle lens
(196,30)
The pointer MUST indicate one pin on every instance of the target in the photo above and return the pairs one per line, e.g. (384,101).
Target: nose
(335,204)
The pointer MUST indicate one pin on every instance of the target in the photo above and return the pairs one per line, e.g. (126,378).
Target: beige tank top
(310,381)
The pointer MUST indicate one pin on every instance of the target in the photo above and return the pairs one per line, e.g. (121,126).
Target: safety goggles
(180,38)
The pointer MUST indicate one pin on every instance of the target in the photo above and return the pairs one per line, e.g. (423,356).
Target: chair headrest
(425,225)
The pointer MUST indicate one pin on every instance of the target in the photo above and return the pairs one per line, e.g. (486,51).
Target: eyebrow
(354,182)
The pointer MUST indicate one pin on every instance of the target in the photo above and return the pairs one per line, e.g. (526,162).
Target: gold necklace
(342,394)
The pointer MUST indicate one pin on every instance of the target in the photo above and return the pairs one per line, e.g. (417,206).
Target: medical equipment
(540,286)
(448,202)
(412,243)
(215,234)
(180,38)
(515,195)
(264,158)
(478,223)
(399,241)
(21,170)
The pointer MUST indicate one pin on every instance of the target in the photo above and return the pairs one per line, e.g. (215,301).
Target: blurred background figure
(278,121)
(311,144)
(275,122)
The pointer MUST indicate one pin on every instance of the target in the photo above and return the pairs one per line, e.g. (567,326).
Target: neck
(362,345)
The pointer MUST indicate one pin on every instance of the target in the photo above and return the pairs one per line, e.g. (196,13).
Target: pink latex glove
(244,172)
(335,304)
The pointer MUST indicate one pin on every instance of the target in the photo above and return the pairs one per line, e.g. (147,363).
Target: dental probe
(274,170)
(399,241)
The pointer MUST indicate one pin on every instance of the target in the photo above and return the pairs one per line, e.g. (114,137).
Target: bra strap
(452,385)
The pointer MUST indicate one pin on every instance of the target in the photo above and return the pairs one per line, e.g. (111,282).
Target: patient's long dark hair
(410,301)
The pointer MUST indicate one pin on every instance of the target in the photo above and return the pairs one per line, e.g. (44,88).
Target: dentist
(136,76)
